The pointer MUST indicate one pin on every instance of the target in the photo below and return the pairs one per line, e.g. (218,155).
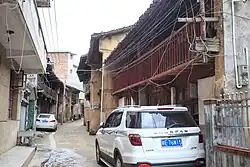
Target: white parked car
(145,136)
(46,122)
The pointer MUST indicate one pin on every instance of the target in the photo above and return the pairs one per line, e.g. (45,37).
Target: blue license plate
(171,143)
(44,121)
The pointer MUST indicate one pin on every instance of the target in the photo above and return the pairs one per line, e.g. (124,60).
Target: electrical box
(243,74)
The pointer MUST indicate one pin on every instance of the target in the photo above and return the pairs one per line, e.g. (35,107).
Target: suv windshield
(159,119)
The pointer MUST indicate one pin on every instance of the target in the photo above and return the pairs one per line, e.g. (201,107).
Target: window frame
(120,119)
(138,119)
(111,116)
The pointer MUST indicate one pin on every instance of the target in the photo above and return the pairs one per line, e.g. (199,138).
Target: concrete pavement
(18,156)
(71,142)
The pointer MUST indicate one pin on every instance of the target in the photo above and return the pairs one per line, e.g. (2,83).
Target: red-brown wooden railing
(174,51)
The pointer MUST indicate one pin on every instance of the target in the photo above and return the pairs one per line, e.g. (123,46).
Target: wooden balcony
(47,91)
(167,56)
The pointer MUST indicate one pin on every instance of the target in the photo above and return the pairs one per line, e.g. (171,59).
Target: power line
(148,41)
(143,36)
(52,34)
(57,37)
(148,54)
(160,64)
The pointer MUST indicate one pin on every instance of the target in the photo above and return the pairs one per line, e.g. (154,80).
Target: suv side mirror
(102,125)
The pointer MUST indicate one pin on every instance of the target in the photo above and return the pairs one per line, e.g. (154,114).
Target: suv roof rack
(130,106)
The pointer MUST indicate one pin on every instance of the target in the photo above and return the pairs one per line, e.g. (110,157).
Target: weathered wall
(8,133)
(242,12)
(121,102)
(142,95)
(106,46)
(206,89)
(8,128)
(87,111)
(53,109)
(61,61)
(95,100)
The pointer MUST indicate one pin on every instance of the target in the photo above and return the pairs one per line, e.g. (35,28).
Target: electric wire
(148,54)
(145,37)
(154,49)
(178,73)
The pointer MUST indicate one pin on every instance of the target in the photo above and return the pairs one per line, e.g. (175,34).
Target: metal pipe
(246,57)
(102,91)
(238,85)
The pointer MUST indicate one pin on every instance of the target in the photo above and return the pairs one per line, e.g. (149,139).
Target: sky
(78,19)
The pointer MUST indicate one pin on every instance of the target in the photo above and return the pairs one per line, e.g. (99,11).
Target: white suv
(145,136)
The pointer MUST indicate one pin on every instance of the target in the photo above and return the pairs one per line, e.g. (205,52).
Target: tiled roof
(94,57)
(111,32)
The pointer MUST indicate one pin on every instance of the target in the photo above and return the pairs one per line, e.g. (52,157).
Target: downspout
(246,58)
(238,85)
(102,91)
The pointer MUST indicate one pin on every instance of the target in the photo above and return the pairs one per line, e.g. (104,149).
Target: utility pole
(64,98)
(203,21)
(203,25)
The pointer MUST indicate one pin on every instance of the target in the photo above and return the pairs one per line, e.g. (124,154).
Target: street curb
(29,158)
(18,156)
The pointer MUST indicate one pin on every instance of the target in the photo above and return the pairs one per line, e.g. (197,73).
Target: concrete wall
(73,61)
(8,133)
(30,13)
(206,90)
(121,102)
(106,46)
(95,100)
(242,39)
(142,95)
(8,128)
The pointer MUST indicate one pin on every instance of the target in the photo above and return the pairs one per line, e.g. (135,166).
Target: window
(108,122)
(114,120)
(44,116)
(159,119)
(117,119)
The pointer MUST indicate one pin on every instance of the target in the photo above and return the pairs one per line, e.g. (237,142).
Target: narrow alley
(69,146)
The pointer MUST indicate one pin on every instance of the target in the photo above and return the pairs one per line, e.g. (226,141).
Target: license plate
(171,143)
(44,121)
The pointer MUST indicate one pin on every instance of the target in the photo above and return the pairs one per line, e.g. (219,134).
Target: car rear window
(159,119)
(44,116)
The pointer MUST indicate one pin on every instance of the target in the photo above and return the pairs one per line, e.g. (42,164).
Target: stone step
(18,156)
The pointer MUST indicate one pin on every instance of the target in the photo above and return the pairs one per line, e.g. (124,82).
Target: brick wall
(61,64)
